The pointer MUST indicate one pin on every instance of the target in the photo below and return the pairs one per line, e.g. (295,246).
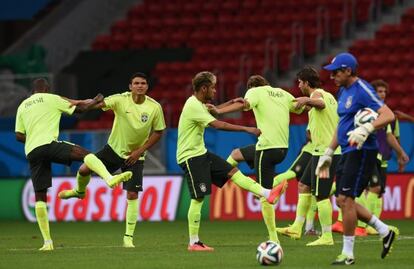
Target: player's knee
(132,195)
(41,195)
(84,170)
(232,172)
(340,201)
(375,189)
(236,155)
(303,188)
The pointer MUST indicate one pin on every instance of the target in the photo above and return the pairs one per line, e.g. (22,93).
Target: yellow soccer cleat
(290,231)
(128,241)
(115,180)
(371,231)
(47,246)
(73,193)
(325,240)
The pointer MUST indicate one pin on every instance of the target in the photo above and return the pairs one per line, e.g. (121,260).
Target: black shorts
(41,159)
(379,177)
(265,161)
(248,153)
(113,162)
(320,187)
(202,171)
(354,171)
(299,165)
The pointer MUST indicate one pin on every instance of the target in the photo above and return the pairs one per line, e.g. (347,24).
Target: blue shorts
(354,172)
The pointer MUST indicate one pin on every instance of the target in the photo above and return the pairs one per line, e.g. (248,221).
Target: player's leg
(197,172)
(133,187)
(40,168)
(96,165)
(375,190)
(265,162)
(310,217)
(321,188)
(242,154)
(295,170)
(304,202)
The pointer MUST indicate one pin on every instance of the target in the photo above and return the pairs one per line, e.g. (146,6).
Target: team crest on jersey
(348,102)
(203,187)
(144,117)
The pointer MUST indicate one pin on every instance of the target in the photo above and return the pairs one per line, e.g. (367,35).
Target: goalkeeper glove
(360,134)
(322,169)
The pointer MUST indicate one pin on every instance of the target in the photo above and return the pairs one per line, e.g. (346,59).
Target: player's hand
(213,109)
(133,157)
(98,98)
(403,159)
(301,102)
(253,130)
(322,169)
(359,135)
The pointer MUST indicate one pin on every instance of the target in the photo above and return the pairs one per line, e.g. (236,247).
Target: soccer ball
(269,253)
(364,115)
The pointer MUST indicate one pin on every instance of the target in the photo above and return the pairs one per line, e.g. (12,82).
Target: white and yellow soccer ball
(269,253)
(364,115)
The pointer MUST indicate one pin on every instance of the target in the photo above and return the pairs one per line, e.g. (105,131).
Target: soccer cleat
(128,241)
(290,231)
(388,240)
(73,193)
(360,231)
(325,240)
(337,227)
(312,232)
(276,192)
(199,246)
(47,246)
(371,231)
(344,260)
(115,180)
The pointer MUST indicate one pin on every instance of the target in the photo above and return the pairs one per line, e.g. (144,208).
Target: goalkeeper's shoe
(73,193)
(128,241)
(325,240)
(276,192)
(388,240)
(47,246)
(290,231)
(115,180)
(344,260)
(199,246)
(338,227)
(360,231)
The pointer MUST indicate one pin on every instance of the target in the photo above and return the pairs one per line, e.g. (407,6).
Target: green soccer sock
(374,204)
(131,216)
(97,166)
(194,218)
(247,183)
(310,215)
(304,202)
(232,161)
(325,215)
(43,219)
(268,213)
(362,200)
(288,175)
(82,182)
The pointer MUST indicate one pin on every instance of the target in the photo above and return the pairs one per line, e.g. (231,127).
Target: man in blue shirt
(359,152)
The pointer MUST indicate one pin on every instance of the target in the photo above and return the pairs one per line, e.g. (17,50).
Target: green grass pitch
(163,245)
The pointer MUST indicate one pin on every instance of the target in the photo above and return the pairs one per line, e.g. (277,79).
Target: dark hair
(138,75)
(380,83)
(310,75)
(40,84)
(256,81)
(204,78)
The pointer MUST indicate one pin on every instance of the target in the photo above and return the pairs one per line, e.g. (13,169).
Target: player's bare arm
(136,154)
(402,157)
(385,116)
(20,137)
(221,125)
(315,101)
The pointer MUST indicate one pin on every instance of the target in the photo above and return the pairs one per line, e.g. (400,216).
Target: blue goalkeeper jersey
(359,95)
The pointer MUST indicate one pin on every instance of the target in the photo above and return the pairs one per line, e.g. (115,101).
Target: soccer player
(138,125)
(272,144)
(359,152)
(37,126)
(201,167)
(323,120)
(387,141)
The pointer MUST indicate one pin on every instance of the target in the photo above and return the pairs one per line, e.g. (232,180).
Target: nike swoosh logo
(346,189)
(348,262)
(137,186)
(387,244)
